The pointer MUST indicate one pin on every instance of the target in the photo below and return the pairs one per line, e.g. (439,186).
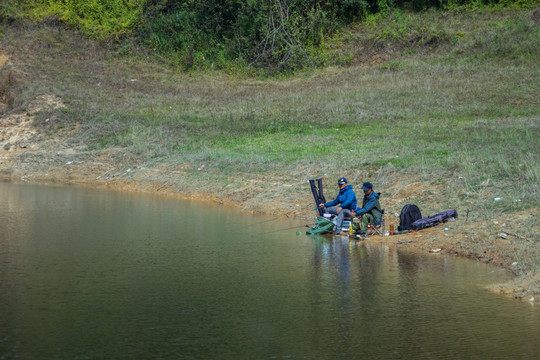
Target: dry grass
(460,122)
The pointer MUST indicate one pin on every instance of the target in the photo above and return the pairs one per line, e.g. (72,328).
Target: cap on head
(366,186)
(342,181)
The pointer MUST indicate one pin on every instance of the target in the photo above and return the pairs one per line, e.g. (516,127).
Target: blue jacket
(370,204)
(346,197)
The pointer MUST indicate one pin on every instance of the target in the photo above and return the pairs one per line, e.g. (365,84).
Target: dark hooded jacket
(370,204)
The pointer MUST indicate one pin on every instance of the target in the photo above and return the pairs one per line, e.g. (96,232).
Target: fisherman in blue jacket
(345,201)
(371,211)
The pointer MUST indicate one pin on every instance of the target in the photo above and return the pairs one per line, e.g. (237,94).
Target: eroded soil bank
(52,161)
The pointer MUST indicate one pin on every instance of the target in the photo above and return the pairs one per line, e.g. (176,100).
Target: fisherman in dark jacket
(346,201)
(370,212)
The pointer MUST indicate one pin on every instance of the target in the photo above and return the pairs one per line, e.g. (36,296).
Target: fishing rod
(262,222)
(300,218)
(289,228)
(265,221)
(257,223)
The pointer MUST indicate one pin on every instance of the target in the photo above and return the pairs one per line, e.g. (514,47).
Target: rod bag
(316,195)
(434,220)
(321,195)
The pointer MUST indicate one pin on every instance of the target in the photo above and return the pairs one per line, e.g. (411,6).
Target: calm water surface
(89,274)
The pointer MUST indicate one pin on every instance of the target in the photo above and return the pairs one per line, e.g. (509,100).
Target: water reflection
(408,303)
(94,274)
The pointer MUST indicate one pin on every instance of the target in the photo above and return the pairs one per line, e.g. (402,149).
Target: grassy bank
(448,100)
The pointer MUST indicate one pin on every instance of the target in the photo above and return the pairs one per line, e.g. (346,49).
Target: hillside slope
(446,122)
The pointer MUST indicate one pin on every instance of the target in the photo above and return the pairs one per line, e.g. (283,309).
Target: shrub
(99,18)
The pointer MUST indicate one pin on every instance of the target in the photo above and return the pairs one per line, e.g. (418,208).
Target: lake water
(94,274)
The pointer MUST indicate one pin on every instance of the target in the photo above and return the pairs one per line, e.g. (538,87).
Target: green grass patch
(464,105)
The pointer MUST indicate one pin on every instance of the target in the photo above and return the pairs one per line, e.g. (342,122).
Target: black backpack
(409,214)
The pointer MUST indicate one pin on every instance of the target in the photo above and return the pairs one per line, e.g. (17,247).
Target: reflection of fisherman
(371,212)
(346,200)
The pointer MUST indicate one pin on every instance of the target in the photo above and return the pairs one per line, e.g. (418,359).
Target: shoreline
(22,167)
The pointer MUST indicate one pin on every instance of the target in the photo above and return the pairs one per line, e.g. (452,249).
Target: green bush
(98,18)
(9,10)
(275,35)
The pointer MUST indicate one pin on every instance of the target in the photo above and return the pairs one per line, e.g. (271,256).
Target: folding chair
(378,228)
